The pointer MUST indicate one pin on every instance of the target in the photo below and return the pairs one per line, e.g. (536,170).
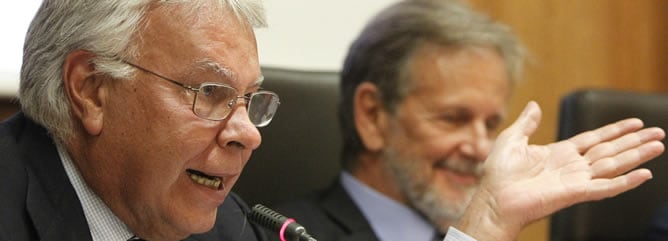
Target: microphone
(287,228)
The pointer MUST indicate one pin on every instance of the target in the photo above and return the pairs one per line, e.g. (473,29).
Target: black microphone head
(266,217)
(286,228)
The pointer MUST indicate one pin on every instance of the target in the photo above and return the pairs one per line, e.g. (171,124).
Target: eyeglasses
(215,101)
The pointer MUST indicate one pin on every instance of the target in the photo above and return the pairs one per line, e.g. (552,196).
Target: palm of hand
(529,182)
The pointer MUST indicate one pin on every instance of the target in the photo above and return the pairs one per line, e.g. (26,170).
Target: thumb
(527,123)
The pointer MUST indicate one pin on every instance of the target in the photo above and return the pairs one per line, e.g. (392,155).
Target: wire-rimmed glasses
(215,101)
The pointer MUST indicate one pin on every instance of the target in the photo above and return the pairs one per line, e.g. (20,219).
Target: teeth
(207,181)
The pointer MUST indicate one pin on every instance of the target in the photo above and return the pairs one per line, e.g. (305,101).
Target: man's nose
(479,141)
(238,130)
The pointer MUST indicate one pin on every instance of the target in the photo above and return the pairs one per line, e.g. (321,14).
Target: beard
(442,208)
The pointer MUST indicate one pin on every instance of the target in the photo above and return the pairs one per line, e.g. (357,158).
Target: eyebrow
(259,80)
(217,68)
(225,72)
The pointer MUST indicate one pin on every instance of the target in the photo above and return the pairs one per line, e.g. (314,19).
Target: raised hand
(524,183)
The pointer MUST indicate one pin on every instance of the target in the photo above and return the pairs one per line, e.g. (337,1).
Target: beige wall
(7,108)
(579,44)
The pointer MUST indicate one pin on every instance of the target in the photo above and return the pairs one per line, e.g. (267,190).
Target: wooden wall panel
(8,108)
(582,44)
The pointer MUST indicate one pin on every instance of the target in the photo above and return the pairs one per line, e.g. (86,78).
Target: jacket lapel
(338,204)
(51,201)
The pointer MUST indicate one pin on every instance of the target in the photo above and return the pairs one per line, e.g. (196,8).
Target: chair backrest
(627,216)
(300,148)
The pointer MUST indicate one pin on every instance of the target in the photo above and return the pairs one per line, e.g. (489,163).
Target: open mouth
(213,182)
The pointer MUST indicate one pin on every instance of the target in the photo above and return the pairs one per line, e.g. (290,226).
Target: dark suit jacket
(329,215)
(659,227)
(38,202)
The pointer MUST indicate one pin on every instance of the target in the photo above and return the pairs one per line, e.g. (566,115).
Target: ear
(371,119)
(84,90)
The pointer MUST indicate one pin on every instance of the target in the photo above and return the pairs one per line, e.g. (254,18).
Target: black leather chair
(627,216)
(300,148)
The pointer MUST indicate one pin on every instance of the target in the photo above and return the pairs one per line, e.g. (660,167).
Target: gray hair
(104,28)
(382,52)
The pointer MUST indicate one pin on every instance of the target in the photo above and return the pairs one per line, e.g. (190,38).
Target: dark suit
(330,215)
(38,202)
(659,227)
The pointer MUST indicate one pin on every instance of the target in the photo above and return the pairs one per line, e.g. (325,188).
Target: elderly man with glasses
(137,119)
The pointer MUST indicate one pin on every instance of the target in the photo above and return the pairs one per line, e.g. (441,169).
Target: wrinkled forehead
(185,24)
(189,13)
(225,74)
(213,40)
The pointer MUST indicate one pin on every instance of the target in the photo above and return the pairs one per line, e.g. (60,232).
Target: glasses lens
(213,101)
(262,107)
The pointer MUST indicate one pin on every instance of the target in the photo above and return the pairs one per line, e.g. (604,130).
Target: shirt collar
(103,223)
(389,219)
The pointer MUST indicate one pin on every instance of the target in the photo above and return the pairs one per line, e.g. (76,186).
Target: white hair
(104,28)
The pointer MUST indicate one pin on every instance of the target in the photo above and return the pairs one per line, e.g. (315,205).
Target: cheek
(128,119)
(432,148)
(168,149)
(154,148)
(159,129)
(424,140)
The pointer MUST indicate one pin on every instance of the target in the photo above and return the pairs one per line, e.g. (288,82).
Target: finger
(587,139)
(627,160)
(619,145)
(525,124)
(605,188)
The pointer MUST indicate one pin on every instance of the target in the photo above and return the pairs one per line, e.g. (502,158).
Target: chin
(194,223)
(203,228)
(205,224)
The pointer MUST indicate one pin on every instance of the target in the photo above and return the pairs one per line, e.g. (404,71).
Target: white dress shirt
(104,225)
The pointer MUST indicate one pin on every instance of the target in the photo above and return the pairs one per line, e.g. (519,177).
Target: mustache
(464,166)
